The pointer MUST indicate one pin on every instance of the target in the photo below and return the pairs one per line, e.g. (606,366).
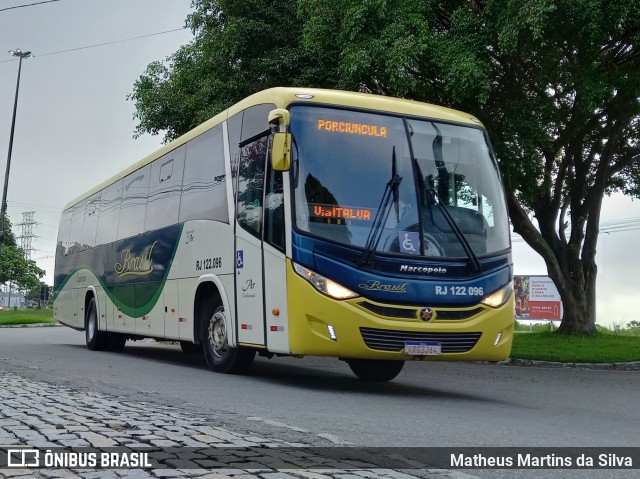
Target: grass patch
(26,316)
(601,348)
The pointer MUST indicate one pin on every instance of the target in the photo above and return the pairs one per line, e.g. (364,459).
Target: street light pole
(20,54)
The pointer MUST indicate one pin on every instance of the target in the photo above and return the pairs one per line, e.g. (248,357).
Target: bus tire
(96,340)
(190,348)
(117,342)
(375,370)
(220,357)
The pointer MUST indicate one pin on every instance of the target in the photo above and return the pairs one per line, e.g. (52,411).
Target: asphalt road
(429,404)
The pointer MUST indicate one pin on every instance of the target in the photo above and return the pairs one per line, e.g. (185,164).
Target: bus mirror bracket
(281,117)
(281,151)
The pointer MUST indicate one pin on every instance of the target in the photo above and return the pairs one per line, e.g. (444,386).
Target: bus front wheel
(221,357)
(378,370)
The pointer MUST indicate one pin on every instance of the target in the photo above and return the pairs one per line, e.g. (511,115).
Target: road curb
(630,366)
(32,325)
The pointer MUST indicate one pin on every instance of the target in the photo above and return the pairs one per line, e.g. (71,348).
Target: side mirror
(281,151)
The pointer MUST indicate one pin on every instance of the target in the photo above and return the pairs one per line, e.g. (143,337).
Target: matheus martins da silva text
(544,461)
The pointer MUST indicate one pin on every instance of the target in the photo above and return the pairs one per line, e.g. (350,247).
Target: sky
(74,125)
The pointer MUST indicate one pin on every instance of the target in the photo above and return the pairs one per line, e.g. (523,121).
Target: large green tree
(14,268)
(557,83)
(239,47)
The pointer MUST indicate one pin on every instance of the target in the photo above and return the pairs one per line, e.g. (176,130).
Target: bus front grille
(391,340)
(414,313)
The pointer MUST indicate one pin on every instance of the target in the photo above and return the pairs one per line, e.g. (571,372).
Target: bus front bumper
(361,328)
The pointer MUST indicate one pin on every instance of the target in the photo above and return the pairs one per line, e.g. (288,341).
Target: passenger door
(249,211)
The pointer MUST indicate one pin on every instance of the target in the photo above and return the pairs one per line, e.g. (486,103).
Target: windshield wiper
(443,177)
(379,220)
(473,258)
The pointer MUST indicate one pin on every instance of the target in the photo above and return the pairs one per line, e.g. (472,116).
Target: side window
(75,233)
(63,233)
(255,120)
(204,192)
(109,213)
(135,189)
(274,209)
(91,214)
(165,185)
(251,185)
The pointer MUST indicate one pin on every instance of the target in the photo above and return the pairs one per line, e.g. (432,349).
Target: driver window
(251,185)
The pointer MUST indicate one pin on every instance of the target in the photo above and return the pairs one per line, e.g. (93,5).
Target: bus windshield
(445,201)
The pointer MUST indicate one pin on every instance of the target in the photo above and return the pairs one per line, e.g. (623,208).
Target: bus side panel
(65,305)
(276,307)
(171,309)
(77,317)
(125,323)
(109,310)
(102,301)
(151,323)
(228,289)
(68,308)
(186,320)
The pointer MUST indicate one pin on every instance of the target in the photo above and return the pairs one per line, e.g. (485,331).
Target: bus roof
(282,97)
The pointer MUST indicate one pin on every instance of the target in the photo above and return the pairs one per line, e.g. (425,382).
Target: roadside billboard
(537,298)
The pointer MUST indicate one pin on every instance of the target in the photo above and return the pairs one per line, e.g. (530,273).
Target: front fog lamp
(498,298)
(324,285)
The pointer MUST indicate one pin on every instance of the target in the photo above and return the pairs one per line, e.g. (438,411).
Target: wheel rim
(91,327)
(218,334)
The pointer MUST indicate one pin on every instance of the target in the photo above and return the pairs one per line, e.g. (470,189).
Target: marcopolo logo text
(406,268)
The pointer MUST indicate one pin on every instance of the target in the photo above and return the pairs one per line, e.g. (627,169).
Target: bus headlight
(498,298)
(324,285)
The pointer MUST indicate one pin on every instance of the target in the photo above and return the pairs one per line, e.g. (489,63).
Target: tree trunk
(576,282)
(579,308)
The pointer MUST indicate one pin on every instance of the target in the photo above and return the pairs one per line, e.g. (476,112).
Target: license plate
(422,348)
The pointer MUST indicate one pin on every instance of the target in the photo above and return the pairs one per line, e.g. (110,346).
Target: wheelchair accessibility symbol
(409,242)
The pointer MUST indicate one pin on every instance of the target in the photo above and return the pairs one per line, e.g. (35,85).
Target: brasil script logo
(374,285)
(132,265)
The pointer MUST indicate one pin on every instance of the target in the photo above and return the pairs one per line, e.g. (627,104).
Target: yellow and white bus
(300,222)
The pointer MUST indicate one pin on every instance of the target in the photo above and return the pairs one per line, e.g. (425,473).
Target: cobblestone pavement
(41,415)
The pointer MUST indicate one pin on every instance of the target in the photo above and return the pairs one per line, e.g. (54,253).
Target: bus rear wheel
(221,357)
(96,340)
(100,340)
(375,370)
